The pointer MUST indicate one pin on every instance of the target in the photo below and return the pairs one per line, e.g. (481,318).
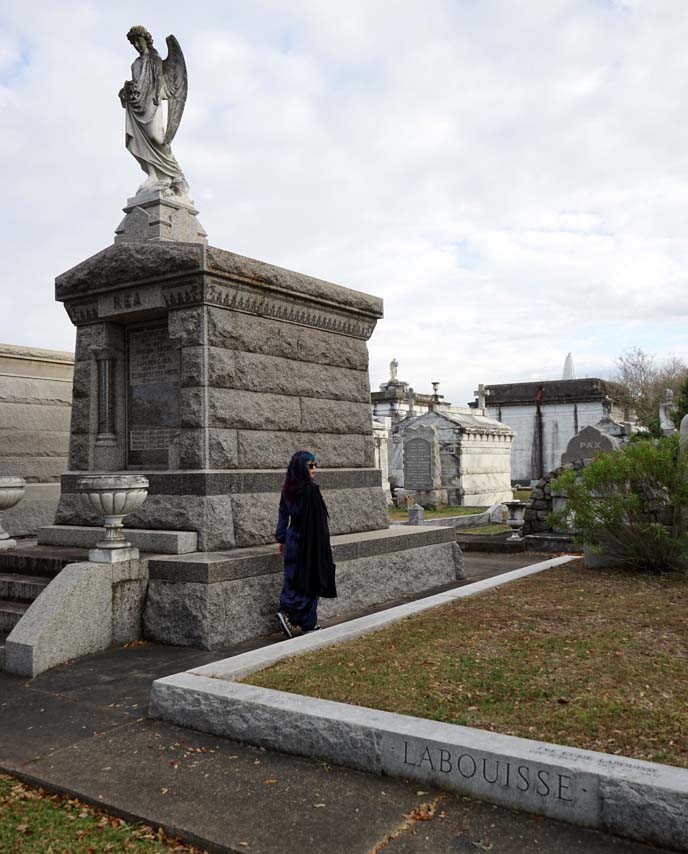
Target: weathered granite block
(187,326)
(229,330)
(83,376)
(223,448)
(357,510)
(209,515)
(255,518)
(229,612)
(193,448)
(193,367)
(402,573)
(222,368)
(193,407)
(81,415)
(369,451)
(257,372)
(211,615)
(79,453)
(277,338)
(95,337)
(335,416)
(328,348)
(265,449)
(231,408)
(128,598)
(255,514)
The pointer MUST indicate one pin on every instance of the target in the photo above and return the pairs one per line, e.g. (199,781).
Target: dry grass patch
(596,660)
(33,821)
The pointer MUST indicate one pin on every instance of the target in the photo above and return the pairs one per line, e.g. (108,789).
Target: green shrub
(631,504)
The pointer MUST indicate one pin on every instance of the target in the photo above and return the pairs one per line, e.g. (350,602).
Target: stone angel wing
(176,84)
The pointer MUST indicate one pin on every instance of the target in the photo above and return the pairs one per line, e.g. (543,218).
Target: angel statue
(154,80)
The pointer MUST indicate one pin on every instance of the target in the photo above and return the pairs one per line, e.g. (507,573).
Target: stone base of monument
(217,599)
(113,555)
(155,216)
(227,508)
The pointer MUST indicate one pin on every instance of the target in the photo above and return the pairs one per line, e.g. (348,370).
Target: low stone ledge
(153,542)
(231,610)
(228,481)
(215,567)
(641,800)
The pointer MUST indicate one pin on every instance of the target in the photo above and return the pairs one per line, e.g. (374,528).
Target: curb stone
(641,800)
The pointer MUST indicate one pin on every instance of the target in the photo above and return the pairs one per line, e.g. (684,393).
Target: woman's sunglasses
(312,465)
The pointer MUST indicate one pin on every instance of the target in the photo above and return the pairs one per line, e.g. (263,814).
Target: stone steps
(41,561)
(22,588)
(10,614)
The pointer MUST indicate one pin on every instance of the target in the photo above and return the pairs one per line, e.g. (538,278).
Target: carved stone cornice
(138,281)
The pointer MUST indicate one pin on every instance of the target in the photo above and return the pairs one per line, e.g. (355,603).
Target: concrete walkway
(82,729)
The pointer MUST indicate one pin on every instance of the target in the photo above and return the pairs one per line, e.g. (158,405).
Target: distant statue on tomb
(393,367)
(155,80)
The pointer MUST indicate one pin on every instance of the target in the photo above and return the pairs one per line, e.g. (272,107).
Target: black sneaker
(285,624)
(316,628)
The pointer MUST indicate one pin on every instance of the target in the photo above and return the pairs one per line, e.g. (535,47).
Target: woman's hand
(280,548)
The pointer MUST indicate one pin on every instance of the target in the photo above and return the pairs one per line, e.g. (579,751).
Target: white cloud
(511,178)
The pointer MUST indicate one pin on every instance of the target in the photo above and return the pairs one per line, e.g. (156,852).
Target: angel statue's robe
(144,125)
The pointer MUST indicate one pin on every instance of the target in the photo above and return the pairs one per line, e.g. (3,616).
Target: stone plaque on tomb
(588,443)
(417,464)
(153,413)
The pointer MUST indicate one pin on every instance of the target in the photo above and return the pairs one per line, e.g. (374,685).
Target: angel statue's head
(136,33)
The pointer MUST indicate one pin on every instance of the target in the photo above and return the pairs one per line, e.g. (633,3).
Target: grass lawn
(401,515)
(522,494)
(494,528)
(33,821)
(581,657)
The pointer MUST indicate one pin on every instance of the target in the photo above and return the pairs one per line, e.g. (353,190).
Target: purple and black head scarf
(297,474)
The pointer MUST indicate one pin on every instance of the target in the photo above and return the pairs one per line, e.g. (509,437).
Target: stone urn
(515,519)
(11,493)
(113,496)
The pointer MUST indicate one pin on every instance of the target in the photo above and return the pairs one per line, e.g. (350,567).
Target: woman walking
(304,537)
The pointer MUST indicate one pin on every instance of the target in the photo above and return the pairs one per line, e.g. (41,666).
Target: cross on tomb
(481,393)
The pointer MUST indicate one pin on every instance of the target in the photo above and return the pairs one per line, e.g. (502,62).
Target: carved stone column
(106,435)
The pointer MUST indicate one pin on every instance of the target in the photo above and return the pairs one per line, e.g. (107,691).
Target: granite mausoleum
(35,398)
(175,374)
(202,371)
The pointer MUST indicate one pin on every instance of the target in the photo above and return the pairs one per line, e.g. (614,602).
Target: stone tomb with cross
(205,371)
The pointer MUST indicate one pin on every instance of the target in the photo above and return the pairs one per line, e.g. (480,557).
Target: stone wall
(540,503)
(35,401)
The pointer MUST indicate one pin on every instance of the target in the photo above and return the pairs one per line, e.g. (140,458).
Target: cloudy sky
(511,176)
